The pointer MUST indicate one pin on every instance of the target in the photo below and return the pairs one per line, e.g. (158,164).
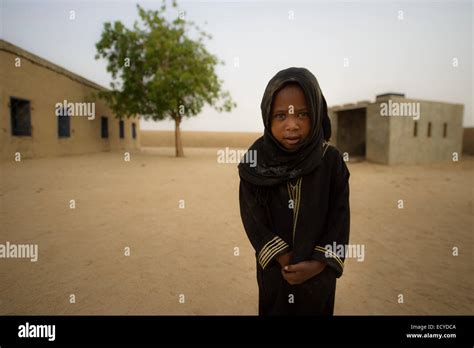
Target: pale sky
(413,55)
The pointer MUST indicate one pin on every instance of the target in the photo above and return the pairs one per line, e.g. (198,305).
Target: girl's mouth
(292,140)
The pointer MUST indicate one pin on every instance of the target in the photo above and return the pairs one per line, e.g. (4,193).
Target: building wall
(44,87)
(408,149)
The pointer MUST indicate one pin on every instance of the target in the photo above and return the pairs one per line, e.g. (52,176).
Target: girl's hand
(302,271)
(284,259)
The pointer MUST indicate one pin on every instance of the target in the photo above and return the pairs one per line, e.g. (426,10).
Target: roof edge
(33,58)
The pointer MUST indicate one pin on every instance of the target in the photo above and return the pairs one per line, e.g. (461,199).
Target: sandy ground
(154,138)
(190,251)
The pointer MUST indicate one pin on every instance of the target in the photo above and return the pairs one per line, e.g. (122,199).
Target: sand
(151,138)
(190,251)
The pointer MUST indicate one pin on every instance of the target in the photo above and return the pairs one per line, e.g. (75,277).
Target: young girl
(294,202)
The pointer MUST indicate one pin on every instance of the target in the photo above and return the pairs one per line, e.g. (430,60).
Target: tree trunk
(177,136)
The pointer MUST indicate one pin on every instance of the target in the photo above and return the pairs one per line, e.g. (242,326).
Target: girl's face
(290,119)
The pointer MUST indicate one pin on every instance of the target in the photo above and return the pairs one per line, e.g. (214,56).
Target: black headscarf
(275,164)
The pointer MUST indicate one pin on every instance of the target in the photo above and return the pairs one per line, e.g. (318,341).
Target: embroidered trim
(331,253)
(270,249)
(294,192)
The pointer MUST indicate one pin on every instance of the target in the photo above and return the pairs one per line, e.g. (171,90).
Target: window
(429,129)
(20,116)
(445,130)
(134,131)
(122,129)
(104,127)
(415,129)
(64,124)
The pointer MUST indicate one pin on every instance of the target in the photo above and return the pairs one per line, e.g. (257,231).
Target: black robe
(323,218)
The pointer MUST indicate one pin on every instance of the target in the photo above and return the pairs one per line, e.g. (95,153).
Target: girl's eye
(304,114)
(279,116)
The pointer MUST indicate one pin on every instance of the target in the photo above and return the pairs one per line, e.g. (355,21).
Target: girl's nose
(291,123)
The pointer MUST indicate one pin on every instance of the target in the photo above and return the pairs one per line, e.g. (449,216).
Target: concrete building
(32,90)
(396,130)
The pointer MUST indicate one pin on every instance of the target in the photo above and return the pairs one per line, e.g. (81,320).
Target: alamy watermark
(28,330)
(356,251)
(21,251)
(228,155)
(75,109)
(407,109)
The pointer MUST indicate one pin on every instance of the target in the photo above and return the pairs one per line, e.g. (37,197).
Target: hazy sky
(413,55)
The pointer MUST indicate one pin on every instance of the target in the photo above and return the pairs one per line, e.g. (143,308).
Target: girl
(294,202)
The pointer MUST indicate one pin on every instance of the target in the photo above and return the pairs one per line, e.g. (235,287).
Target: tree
(158,71)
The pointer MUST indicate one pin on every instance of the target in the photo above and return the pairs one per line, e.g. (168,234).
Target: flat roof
(390,94)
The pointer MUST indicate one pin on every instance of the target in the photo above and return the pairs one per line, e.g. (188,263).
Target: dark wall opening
(351,131)
(20,113)
(104,127)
